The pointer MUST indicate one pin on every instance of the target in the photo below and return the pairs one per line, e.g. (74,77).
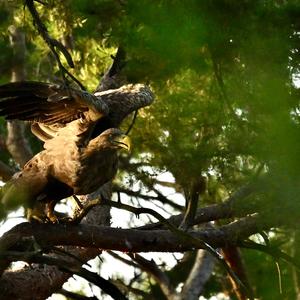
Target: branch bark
(93,238)
(198,276)
(134,240)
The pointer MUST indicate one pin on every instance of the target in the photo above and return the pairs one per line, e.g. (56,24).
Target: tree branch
(75,296)
(236,205)
(193,190)
(199,275)
(138,194)
(134,240)
(131,240)
(130,289)
(53,44)
(122,259)
(70,266)
(152,269)
(272,251)
(112,78)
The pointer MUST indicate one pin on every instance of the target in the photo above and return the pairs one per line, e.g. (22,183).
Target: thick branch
(198,276)
(112,78)
(133,240)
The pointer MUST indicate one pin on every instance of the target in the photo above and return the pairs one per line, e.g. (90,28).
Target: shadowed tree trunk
(16,142)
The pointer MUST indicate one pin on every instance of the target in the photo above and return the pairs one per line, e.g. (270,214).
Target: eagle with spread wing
(80,134)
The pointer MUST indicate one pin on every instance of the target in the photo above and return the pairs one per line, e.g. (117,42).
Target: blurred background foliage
(225,74)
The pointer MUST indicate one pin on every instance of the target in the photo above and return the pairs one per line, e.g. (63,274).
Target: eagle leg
(32,216)
(50,212)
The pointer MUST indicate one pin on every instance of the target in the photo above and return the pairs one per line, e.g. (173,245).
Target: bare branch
(130,240)
(72,267)
(112,78)
(133,240)
(236,205)
(122,259)
(130,289)
(161,278)
(160,197)
(195,188)
(199,275)
(53,44)
(75,296)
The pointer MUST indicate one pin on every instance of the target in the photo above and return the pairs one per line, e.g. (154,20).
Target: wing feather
(48,103)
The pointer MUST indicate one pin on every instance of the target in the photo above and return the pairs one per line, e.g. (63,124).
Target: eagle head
(117,138)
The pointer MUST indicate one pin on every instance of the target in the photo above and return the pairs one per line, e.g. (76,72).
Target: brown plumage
(57,173)
(80,149)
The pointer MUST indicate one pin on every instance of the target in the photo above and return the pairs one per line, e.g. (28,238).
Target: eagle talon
(52,219)
(35,219)
(66,220)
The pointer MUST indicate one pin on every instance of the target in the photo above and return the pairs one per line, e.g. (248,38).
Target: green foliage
(267,278)
(222,72)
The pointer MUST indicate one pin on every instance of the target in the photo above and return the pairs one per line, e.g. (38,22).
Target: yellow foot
(52,218)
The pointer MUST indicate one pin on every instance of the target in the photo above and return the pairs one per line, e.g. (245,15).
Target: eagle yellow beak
(123,141)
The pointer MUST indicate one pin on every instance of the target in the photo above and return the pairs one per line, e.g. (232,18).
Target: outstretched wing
(50,106)
(48,103)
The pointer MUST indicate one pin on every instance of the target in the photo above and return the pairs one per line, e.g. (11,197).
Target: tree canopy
(223,130)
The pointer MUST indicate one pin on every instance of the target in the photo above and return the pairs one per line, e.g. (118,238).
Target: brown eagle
(80,135)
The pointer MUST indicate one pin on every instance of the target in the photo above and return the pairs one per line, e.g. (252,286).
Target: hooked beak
(123,141)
